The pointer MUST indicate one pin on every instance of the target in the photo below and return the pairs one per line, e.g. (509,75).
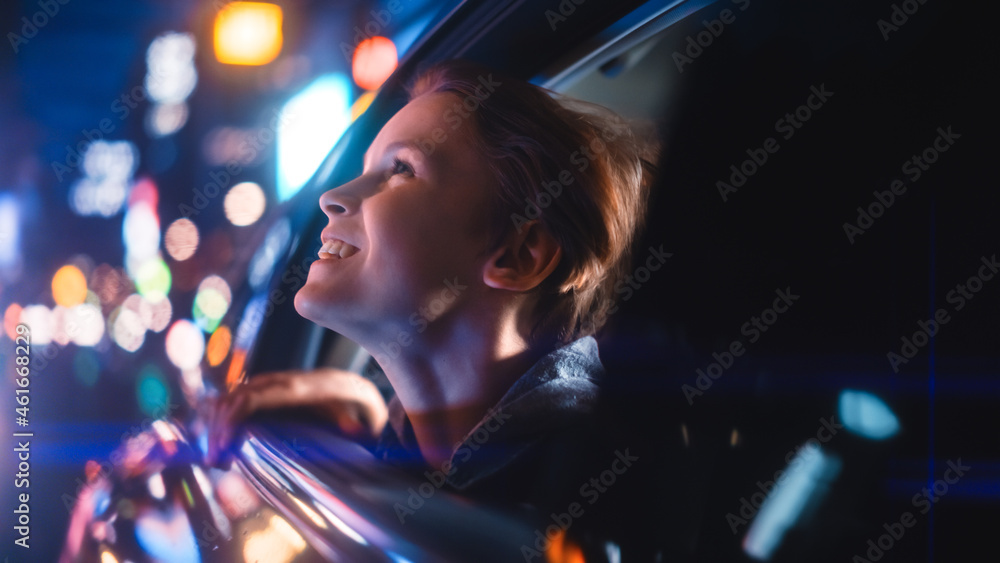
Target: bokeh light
(168,535)
(108,168)
(69,286)
(39,318)
(11,317)
(141,307)
(277,542)
(152,391)
(152,280)
(163,311)
(211,302)
(170,74)
(84,324)
(92,299)
(185,344)
(374,60)
(235,375)
(166,119)
(244,204)
(218,346)
(248,33)
(10,235)
(867,415)
(59,334)
(141,231)
(127,329)
(267,255)
(360,105)
(310,124)
(192,385)
(144,191)
(181,239)
(110,284)
(224,145)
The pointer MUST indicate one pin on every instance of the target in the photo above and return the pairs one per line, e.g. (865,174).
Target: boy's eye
(401,167)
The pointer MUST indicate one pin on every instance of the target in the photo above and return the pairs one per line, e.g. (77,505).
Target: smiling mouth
(337,249)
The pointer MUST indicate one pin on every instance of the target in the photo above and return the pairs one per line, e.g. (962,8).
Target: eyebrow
(393,146)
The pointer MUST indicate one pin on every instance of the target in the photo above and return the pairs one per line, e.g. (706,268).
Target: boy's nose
(340,200)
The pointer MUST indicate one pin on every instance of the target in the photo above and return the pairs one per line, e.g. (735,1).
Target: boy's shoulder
(556,398)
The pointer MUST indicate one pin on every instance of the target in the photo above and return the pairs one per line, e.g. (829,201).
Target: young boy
(484,239)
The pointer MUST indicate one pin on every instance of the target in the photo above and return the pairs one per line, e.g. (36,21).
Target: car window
(634,84)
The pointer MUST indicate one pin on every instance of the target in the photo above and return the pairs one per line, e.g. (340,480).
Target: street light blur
(374,60)
(248,33)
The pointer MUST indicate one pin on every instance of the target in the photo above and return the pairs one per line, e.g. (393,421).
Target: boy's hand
(347,399)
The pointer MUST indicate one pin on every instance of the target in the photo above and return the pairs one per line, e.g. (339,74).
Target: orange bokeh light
(248,33)
(374,60)
(236,374)
(563,550)
(361,104)
(218,345)
(69,286)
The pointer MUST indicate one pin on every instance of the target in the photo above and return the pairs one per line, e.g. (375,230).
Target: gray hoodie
(559,390)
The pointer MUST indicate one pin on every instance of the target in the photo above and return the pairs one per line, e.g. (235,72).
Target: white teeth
(337,248)
(347,251)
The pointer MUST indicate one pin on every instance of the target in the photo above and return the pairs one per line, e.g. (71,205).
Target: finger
(349,421)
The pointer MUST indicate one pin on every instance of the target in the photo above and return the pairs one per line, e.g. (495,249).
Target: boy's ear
(524,260)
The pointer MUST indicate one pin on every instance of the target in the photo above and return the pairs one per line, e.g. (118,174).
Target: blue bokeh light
(866,415)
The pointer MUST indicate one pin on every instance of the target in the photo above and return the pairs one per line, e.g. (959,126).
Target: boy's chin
(311,308)
(321,311)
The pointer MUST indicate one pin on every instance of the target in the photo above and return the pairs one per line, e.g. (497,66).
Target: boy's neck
(446,389)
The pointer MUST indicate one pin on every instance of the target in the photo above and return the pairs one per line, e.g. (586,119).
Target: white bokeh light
(185,344)
(171,74)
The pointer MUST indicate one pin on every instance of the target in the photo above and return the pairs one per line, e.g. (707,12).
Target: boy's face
(415,222)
